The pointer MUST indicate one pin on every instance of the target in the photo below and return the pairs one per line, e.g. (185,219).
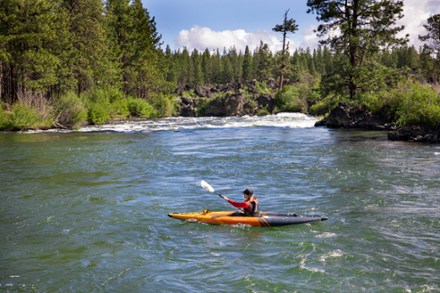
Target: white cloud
(310,38)
(202,38)
(416,13)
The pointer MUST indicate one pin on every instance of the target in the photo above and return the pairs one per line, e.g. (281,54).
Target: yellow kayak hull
(236,218)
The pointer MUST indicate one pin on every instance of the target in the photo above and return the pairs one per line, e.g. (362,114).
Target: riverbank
(359,117)
(411,117)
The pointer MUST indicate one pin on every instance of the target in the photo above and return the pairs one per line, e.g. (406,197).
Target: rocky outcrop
(224,100)
(416,133)
(231,105)
(345,116)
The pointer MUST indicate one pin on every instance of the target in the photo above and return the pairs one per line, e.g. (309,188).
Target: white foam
(326,235)
(285,120)
(333,254)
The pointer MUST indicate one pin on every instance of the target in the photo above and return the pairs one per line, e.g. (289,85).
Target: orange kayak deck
(236,218)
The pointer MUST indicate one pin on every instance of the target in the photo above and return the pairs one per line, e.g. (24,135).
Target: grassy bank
(70,111)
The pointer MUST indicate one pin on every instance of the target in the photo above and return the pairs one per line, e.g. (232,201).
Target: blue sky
(201,24)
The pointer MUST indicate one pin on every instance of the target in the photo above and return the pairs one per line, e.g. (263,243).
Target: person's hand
(225,198)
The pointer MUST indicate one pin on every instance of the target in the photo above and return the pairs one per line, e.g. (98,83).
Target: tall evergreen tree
(144,52)
(247,65)
(206,67)
(432,45)
(90,62)
(263,62)
(197,67)
(364,26)
(119,26)
(432,38)
(29,49)
(288,26)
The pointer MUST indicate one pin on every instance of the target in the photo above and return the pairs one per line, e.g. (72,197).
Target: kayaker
(250,204)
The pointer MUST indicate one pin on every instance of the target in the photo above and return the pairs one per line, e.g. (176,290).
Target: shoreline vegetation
(64,64)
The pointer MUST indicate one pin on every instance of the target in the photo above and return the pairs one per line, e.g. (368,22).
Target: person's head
(248,193)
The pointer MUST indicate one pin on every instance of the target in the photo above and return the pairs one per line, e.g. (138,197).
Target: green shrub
(4,119)
(119,108)
(24,116)
(165,105)
(140,108)
(292,98)
(372,101)
(418,104)
(325,105)
(263,111)
(98,106)
(70,111)
(262,88)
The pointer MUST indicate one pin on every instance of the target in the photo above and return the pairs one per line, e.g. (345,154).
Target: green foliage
(98,106)
(165,105)
(263,112)
(4,119)
(70,111)
(262,88)
(292,98)
(140,108)
(325,105)
(418,104)
(372,101)
(358,42)
(26,116)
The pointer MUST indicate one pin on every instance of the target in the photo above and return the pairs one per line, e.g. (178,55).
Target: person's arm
(240,205)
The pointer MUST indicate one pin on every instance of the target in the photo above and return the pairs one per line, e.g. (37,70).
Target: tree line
(232,66)
(63,62)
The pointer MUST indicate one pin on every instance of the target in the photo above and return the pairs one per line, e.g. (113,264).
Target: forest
(66,63)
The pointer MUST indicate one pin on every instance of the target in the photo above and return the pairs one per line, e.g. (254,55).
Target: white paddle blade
(206,186)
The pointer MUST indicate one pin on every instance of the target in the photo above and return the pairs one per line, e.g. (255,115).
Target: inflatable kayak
(237,218)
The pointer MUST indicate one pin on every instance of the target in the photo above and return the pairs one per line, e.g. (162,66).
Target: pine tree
(29,47)
(90,62)
(197,67)
(206,67)
(144,44)
(432,38)
(288,26)
(263,62)
(432,45)
(364,27)
(247,65)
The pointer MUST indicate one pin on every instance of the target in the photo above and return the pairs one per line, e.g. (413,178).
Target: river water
(86,211)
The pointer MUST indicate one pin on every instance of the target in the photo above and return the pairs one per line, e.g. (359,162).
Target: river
(86,211)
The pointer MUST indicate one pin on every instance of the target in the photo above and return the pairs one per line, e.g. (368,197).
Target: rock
(345,116)
(187,107)
(231,105)
(266,101)
(416,133)
(203,91)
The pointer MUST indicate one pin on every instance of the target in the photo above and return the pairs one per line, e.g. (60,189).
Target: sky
(219,24)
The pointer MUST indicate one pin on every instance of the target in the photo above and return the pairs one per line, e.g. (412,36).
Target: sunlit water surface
(86,211)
